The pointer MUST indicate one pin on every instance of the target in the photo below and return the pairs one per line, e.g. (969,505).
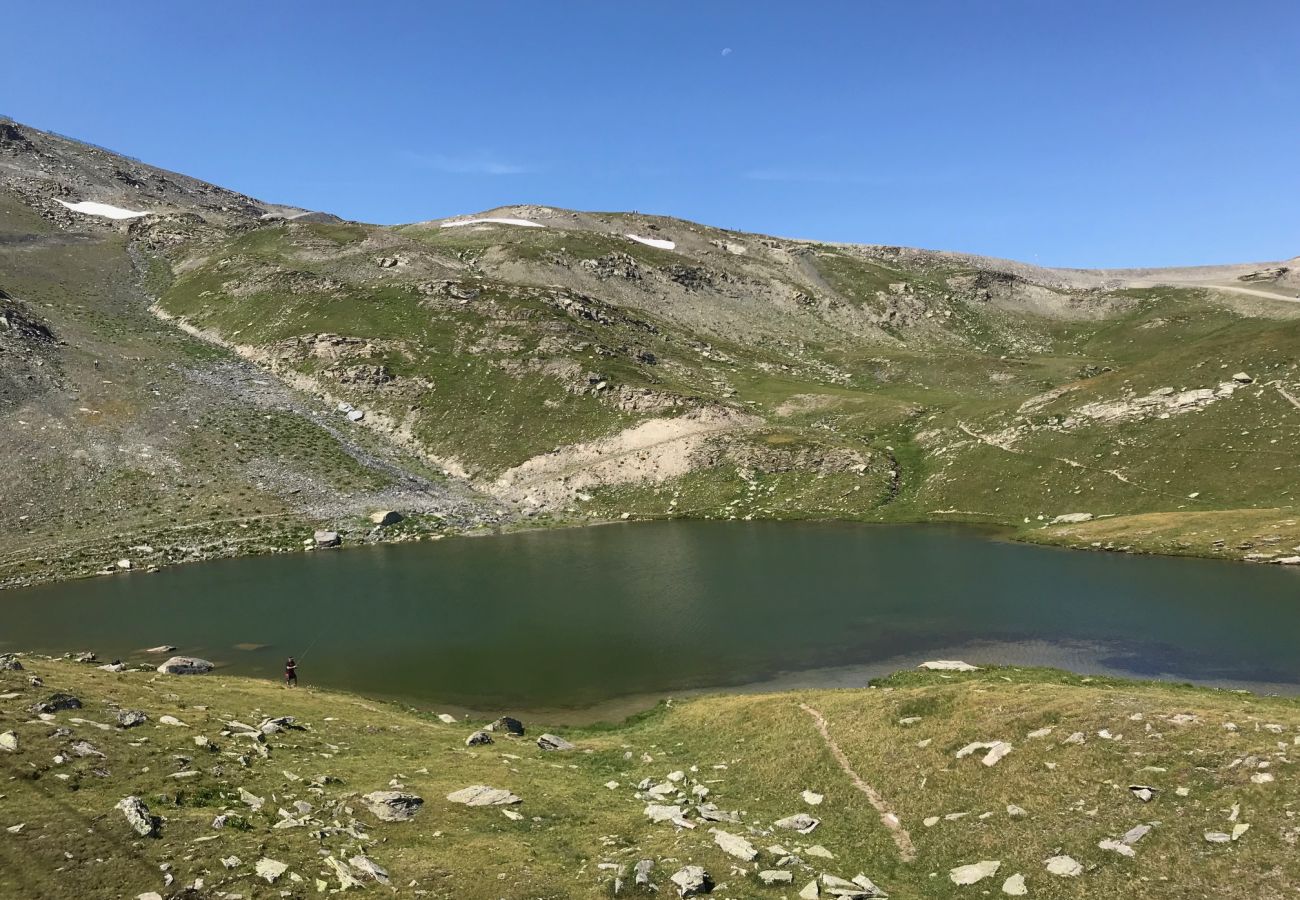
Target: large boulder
(130,718)
(553,742)
(54,703)
(137,816)
(186,665)
(10,663)
(692,881)
(385,517)
(326,538)
(392,806)
(482,795)
(509,725)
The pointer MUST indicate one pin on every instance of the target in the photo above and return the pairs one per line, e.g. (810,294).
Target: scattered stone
(386,517)
(137,816)
(800,822)
(1135,834)
(343,874)
(508,725)
(86,749)
(734,845)
(231,862)
(1064,866)
(392,806)
(1119,847)
(10,663)
(1261,778)
(447,718)
(974,872)
(1217,837)
(1039,733)
(776,876)
(1143,792)
(478,738)
(323,539)
(1071,519)
(1015,886)
(948,665)
(1239,829)
(277,724)
(709,812)
(251,800)
(812,798)
(482,795)
(810,891)
(642,872)
(369,868)
(996,750)
(552,742)
(56,702)
(270,870)
(1242,378)
(1016,812)
(161,648)
(130,718)
(186,665)
(692,881)
(819,851)
(9,742)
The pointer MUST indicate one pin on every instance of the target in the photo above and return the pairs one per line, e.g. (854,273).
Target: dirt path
(888,818)
(1232,288)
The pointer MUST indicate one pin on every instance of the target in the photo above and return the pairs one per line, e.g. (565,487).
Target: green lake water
(580,621)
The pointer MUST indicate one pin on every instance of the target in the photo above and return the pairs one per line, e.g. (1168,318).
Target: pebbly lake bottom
(580,624)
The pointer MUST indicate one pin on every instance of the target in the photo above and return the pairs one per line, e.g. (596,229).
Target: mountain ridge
(252,373)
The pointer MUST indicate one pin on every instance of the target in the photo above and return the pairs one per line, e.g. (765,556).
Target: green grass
(755,754)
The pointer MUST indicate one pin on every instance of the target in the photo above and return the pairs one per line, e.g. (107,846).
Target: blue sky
(1064,133)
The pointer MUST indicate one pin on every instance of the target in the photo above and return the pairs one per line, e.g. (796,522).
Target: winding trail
(888,818)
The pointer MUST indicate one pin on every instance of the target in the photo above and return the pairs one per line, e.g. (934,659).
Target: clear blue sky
(1066,133)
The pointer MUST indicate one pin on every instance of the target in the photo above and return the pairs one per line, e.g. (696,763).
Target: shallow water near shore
(577,624)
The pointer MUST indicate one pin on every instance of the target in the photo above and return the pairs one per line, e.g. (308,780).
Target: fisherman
(291,673)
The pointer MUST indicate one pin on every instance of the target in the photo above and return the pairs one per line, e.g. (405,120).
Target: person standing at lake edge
(290,673)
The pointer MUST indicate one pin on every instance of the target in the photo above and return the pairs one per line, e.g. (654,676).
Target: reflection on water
(577,618)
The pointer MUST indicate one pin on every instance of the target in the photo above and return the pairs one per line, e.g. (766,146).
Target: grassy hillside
(1218,763)
(225,376)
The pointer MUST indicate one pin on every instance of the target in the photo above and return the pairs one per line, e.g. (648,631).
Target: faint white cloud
(479,164)
(726,51)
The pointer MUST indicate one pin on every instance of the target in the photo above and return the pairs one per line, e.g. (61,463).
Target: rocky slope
(123,782)
(213,374)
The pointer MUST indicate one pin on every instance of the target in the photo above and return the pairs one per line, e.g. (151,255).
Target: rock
(709,812)
(392,806)
(1143,792)
(996,750)
(356,415)
(800,822)
(642,872)
(346,879)
(54,703)
(1064,866)
(9,742)
(1135,834)
(1239,829)
(551,742)
(1015,886)
(251,800)
(269,869)
(692,881)
(85,749)
(1016,812)
(974,872)
(482,795)
(326,539)
(508,725)
(659,812)
(477,738)
(1217,837)
(186,665)
(734,845)
(1119,847)
(818,851)
(10,663)
(115,667)
(369,868)
(161,648)
(124,565)
(447,719)
(1242,378)
(948,665)
(171,720)
(137,816)
(1261,778)
(385,517)
(231,862)
(776,876)
(810,891)
(278,724)
(812,798)
(1071,519)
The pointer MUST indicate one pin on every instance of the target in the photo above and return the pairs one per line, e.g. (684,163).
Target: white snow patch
(490,220)
(653,242)
(91,208)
